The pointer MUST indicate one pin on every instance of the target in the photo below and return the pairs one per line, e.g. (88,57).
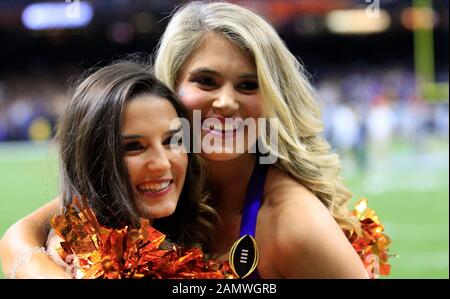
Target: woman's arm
(26,234)
(306,240)
(314,246)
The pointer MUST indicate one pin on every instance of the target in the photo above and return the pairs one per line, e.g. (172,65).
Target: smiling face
(221,82)
(156,172)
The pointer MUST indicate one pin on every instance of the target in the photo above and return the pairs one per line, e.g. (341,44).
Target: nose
(157,161)
(226,102)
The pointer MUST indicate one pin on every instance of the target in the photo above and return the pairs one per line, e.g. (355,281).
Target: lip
(156,181)
(223,133)
(221,118)
(160,193)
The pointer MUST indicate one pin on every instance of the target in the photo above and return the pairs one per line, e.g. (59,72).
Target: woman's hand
(53,243)
(19,246)
(40,265)
(38,262)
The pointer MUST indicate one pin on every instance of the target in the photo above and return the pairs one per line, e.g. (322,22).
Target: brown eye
(205,82)
(248,85)
(174,140)
(132,146)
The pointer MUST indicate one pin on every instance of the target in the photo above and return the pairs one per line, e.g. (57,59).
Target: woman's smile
(155,170)
(220,81)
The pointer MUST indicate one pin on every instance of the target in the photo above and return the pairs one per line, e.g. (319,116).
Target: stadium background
(380,67)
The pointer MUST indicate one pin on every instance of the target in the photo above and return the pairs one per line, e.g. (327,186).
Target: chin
(158,212)
(161,214)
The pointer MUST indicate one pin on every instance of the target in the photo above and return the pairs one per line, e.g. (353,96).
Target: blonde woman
(228,64)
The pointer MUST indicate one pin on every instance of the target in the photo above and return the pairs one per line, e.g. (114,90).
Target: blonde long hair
(287,94)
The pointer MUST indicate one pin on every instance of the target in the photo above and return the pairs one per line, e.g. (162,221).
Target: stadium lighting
(418,18)
(57,15)
(357,21)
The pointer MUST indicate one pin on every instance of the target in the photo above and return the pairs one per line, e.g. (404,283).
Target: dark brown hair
(92,156)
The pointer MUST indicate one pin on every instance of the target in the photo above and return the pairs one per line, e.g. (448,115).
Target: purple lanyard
(253,198)
(255,191)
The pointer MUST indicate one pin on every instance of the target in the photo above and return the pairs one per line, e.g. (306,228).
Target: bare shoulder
(299,236)
(284,194)
(294,209)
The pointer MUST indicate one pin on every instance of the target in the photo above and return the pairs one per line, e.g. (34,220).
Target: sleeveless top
(253,198)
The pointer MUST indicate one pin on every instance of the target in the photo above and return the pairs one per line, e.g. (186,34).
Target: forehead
(221,54)
(150,112)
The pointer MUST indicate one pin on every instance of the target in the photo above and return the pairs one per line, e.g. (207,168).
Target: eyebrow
(205,70)
(136,136)
(174,131)
(216,73)
(131,136)
(248,76)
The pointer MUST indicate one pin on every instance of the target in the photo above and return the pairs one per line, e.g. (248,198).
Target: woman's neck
(229,180)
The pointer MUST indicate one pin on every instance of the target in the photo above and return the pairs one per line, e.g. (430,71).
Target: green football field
(406,185)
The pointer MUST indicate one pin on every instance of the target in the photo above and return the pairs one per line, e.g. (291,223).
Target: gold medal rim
(255,260)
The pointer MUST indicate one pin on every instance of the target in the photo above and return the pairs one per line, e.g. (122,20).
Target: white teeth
(154,187)
(227,127)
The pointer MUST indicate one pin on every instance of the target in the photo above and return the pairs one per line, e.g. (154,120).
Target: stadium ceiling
(149,16)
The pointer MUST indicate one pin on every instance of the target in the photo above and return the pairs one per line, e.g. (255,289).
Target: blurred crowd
(369,108)
(31,103)
(362,107)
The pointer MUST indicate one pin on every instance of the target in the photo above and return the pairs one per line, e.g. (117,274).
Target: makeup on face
(221,82)
(156,172)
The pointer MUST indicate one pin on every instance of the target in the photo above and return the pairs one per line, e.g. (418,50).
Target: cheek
(192,98)
(253,106)
(180,162)
(132,165)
